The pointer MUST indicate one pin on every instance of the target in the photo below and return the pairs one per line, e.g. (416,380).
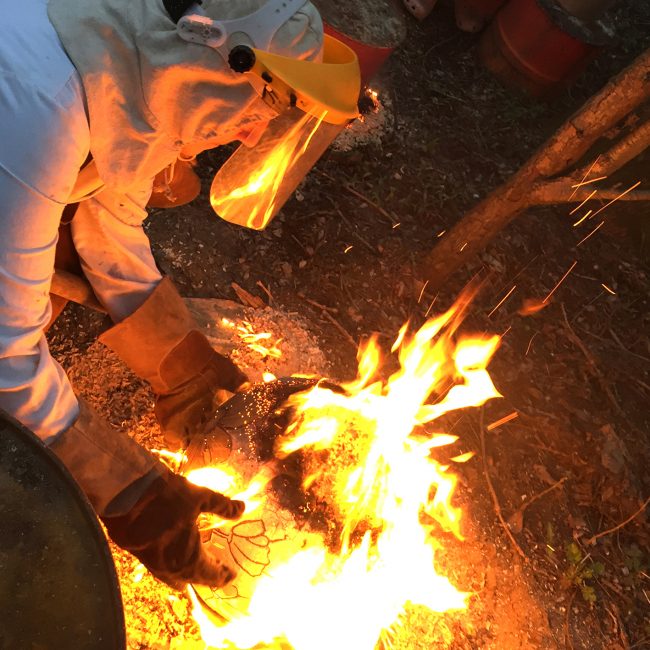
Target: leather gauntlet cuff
(105,461)
(160,342)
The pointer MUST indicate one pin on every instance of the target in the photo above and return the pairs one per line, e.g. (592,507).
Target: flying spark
(502,300)
(584,239)
(424,286)
(503,420)
(577,223)
(621,195)
(433,302)
(590,181)
(562,279)
(585,176)
(587,199)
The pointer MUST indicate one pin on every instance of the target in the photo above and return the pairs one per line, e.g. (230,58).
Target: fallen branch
(536,181)
(609,531)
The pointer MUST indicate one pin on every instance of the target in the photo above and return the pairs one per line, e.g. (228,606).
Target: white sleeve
(43,141)
(114,249)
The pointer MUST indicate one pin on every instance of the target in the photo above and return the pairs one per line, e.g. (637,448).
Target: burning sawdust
(237,331)
(374,125)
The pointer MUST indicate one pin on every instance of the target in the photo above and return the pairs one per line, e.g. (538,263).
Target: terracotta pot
(371,57)
(537,46)
(372,28)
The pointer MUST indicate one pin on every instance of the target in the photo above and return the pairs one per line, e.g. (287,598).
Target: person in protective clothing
(111,81)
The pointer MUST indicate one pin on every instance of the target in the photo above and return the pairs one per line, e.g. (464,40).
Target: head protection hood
(151,93)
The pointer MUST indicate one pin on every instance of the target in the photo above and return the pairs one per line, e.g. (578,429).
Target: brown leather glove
(162,344)
(247,425)
(182,409)
(161,531)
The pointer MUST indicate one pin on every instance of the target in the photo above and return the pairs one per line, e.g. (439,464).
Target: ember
(363,547)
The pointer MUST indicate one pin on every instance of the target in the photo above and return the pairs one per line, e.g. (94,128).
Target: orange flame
(384,487)
(255,341)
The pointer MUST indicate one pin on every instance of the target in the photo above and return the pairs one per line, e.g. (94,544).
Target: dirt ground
(574,463)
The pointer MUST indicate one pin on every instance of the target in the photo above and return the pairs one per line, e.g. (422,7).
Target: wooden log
(560,191)
(73,287)
(572,140)
(627,148)
(620,96)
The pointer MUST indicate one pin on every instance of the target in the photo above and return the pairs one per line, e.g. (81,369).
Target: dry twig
(340,328)
(319,305)
(620,345)
(522,508)
(592,363)
(493,494)
(609,531)
(568,643)
(265,289)
(354,232)
(361,196)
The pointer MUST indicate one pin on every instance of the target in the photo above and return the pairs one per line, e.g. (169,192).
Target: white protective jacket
(110,78)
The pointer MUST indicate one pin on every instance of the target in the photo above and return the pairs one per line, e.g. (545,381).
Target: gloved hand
(147,510)
(162,344)
(183,409)
(248,424)
(161,531)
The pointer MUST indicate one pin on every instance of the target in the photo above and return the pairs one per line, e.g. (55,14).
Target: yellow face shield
(328,90)
(314,101)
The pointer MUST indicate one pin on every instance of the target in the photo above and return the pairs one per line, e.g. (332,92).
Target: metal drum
(58,586)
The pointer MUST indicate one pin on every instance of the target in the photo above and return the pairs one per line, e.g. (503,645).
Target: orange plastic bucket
(537,46)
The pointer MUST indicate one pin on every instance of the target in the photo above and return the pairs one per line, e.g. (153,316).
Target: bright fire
(260,342)
(263,184)
(368,464)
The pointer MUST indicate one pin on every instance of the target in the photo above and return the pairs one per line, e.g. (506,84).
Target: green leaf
(573,553)
(587,573)
(588,593)
(598,569)
(634,551)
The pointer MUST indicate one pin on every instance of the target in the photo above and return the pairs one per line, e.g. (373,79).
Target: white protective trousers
(44,140)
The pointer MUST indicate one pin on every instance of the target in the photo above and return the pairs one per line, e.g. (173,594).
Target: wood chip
(247,298)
